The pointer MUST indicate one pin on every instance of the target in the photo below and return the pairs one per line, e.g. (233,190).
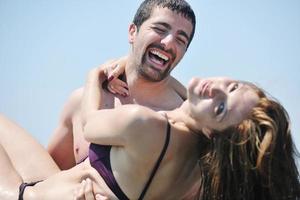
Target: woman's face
(217,103)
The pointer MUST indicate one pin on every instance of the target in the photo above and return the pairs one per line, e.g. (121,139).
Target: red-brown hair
(254,160)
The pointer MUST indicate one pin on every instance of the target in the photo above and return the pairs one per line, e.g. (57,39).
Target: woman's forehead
(240,104)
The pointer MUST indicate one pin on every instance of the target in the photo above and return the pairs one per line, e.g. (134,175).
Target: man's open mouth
(158,57)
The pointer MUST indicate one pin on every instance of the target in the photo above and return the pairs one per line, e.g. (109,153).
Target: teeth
(162,56)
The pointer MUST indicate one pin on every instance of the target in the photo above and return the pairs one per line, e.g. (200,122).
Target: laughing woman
(228,140)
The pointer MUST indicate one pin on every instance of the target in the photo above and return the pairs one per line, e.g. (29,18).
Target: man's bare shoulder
(71,106)
(74,101)
(76,95)
(178,87)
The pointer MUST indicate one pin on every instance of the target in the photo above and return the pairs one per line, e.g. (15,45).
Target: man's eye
(158,30)
(220,108)
(182,41)
(234,87)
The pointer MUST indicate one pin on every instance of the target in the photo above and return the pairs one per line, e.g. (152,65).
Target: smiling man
(159,36)
(159,43)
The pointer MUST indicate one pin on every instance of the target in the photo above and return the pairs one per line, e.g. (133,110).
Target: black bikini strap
(22,188)
(155,168)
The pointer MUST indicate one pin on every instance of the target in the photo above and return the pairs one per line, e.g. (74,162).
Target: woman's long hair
(255,160)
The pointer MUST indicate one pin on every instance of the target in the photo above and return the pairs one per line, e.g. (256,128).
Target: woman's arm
(68,184)
(105,126)
(119,126)
(93,91)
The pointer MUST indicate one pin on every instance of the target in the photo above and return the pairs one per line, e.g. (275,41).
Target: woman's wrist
(30,193)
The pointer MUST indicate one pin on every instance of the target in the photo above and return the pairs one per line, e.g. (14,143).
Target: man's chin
(152,76)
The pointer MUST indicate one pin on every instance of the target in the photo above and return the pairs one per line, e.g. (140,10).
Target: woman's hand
(65,185)
(85,192)
(114,71)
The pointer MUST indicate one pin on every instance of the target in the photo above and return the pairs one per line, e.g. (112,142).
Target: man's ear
(132,33)
(207,132)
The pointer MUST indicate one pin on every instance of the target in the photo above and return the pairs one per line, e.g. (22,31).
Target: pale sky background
(47,48)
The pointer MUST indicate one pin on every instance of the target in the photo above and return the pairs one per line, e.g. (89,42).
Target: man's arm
(61,144)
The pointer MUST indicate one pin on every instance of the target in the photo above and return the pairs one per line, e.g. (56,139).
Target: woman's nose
(217,90)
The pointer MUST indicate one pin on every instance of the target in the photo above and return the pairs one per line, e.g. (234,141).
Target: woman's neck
(183,117)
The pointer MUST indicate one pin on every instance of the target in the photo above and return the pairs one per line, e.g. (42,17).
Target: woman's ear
(207,132)
(132,33)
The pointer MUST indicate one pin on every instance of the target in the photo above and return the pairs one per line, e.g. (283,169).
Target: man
(159,36)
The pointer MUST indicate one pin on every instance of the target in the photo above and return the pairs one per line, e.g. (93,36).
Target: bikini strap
(22,188)
(157,164)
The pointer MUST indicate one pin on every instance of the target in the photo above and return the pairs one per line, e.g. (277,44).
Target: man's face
(160,43)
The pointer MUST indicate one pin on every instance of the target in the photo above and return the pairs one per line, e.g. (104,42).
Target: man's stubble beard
(150,73)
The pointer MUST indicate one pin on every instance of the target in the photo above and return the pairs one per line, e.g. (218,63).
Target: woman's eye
(234,87)
(220,108)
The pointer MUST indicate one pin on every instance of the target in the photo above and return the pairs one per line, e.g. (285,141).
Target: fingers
(113,70)
(88,190)
(109,70)
(117,70)
(115,85)
(118,86)
(101,197)
(79,193)
(85,191)
(115,67)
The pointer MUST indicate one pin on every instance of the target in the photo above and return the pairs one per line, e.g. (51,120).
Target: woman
(254,159)
(164,155)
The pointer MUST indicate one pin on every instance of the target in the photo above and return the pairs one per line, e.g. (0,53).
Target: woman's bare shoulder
(143,113)
(149,125)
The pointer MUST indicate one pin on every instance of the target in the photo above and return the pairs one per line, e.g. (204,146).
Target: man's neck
(145,92)
(139,85)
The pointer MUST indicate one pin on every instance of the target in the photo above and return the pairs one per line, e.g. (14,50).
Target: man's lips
(160,54)
(160,59)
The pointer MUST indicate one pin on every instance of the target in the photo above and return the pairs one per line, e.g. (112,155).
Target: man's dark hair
(179,6)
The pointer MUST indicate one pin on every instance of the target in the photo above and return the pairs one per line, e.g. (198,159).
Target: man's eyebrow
(168,26)
(184,34)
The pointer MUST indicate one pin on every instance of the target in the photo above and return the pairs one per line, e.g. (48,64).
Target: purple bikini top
(99,156)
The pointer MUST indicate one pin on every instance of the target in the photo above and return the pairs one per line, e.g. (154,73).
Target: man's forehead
(166,15)
(158,10)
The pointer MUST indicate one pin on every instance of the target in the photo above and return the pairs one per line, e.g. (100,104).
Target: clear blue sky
(47,48)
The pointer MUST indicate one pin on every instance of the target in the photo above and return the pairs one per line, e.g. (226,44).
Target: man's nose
(168,41)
